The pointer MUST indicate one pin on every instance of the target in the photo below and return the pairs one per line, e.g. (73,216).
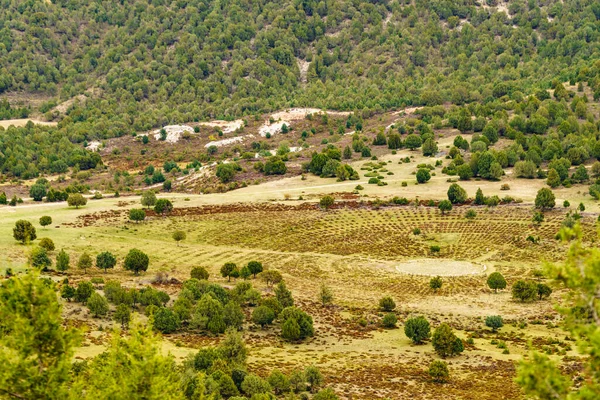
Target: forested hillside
(152,62)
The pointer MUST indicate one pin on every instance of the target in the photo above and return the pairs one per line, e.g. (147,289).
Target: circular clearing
(441,267)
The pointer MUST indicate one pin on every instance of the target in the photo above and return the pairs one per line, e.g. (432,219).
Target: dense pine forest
(148,63)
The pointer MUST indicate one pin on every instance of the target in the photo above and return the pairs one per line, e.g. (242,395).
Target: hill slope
(148,63)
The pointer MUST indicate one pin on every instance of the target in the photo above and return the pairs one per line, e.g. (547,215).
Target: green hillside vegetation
(159,61)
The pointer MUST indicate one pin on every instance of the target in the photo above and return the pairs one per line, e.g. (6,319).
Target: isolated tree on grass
(24,231)
(423,175)
(387,304)
(45,220)
(136,261)
(436,283)
(137,214)
(479,197)
(62,261)
(496,281)
(178,236)
(445,342)
(76,200)
(255,267)
(84,262)
(106,260)
(494,321)
(325,295)
(148,199)
(438,370)
(445,206)
(417,329)
(545,199)
(326,202)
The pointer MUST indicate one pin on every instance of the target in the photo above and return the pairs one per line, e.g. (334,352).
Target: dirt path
(22,122)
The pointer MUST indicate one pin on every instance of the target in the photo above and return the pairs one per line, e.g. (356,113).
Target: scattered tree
(165,320)
(163,206)
(423,175)
(178,236)
(137,214)
(494,321)
(24,231)
(445,342)
(39,258)
(438,370)
(326,202)
(106,260)
(62,261)
(84,262)
(47,243)
(84,291)
(496,281)
(45,221)
(228,270)
(543,291)
(148,199)
(136,261)
(456,194)
(97,305)
(255,267)
(544,199)
(199,273)
(389,320)
(123,315)
(417,329)
(524,290)
(262,316)
(436,283)
(325,295)
(37,192)
(387,304)
(445,206)
(76,200)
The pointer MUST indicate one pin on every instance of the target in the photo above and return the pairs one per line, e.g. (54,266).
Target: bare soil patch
(440,267)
